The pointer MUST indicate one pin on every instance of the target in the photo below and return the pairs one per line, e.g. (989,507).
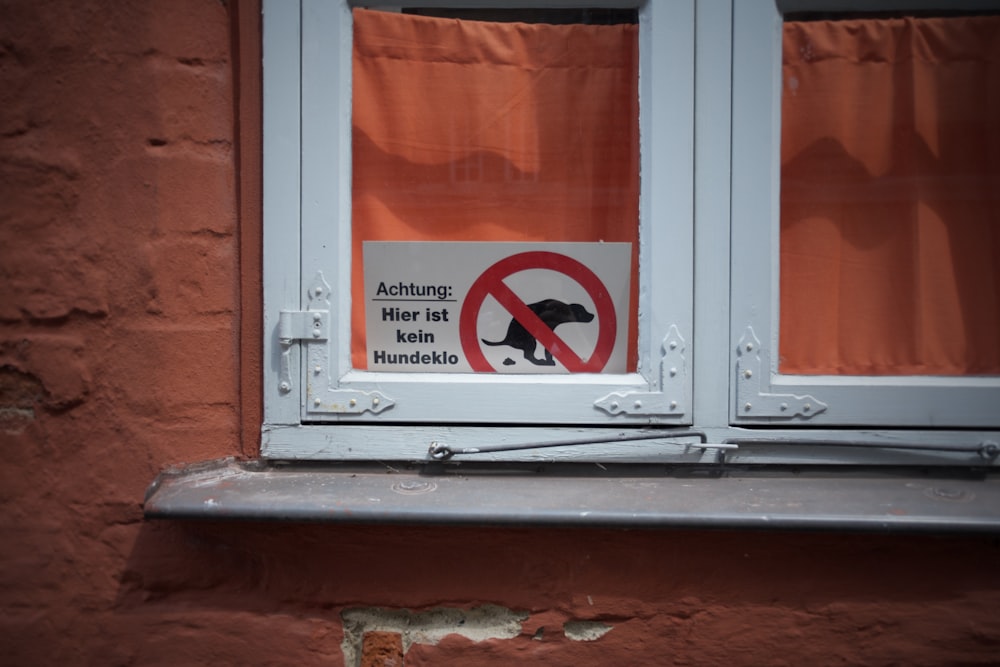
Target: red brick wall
(129,320)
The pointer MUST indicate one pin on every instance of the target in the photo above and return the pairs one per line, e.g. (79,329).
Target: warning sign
(497,307)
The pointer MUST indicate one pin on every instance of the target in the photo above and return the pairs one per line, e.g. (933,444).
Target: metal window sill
(866,499)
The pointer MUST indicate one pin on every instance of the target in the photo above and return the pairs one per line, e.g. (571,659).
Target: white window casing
(709,89)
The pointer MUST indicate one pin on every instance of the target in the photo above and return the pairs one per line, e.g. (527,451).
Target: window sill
(613,495)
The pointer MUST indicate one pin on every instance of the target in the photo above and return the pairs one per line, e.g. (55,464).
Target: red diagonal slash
(528,319)
(491,283)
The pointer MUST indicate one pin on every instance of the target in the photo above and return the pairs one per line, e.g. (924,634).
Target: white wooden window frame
(309,383)
(761,395)
(708,272)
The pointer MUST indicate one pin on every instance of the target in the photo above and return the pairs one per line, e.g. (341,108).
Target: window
(378,204)
(372,228)
(865,216)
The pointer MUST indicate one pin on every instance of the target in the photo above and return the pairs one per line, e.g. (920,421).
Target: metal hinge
(311,326)
(752,398)
(293,326)
(672,398)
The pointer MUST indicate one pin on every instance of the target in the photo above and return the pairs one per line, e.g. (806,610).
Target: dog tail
(493,342)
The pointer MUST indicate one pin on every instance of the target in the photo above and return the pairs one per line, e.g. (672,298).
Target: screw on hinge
(989,450)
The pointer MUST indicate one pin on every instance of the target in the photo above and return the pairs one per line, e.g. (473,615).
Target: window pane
(890,196)
(480,131)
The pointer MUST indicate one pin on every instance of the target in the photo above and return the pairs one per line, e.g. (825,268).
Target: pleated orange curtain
(477,131)
(890,197)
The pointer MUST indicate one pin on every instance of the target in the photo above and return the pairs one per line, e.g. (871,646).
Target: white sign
(462,307)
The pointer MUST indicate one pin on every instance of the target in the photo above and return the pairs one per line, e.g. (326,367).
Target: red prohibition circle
(490,283)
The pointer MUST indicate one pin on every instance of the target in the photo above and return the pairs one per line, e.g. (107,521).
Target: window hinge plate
(347,402)
(293,326)
(311,325)
(672,400)
(753,400)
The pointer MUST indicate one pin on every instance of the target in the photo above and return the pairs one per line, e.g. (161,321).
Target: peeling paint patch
(19,393)
(427,627)
(13,421)
(585,631)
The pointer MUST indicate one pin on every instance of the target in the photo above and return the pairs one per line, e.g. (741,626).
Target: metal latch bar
(442,452)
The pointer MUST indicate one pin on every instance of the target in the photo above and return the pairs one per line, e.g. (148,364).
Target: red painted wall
(129,320)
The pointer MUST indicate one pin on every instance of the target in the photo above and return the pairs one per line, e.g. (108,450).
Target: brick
(382,649)
(188,28)
(201,100)
(194,192)
(48,256)
(161,368)
(192,276)
(71,286)
(57,362)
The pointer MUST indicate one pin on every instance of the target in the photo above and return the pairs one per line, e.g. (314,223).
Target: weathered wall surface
(120,320)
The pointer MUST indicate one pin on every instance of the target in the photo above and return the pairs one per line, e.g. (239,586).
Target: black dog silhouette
(553,313)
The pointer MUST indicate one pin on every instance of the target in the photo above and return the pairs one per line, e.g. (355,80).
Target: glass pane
(490,134)
(890,196)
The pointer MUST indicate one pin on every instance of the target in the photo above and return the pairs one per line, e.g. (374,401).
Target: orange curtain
(476,131)
(890,197)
